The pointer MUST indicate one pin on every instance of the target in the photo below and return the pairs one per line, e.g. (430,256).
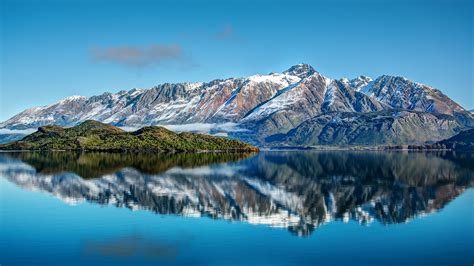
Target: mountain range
(297,107)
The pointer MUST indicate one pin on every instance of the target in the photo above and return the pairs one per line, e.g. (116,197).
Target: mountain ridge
(264,105)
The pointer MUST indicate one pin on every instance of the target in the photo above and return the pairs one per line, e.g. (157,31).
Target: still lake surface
(270,208)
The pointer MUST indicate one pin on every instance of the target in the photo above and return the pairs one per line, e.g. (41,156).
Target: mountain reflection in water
(297,190)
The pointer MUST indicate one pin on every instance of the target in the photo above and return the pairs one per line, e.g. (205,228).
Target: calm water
(271,208)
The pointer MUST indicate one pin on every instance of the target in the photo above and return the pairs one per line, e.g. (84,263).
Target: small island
(91,135)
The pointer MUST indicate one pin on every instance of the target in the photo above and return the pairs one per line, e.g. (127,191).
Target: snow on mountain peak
(361,83)
(300,90)
(192,85)
(361,79)
(357,83)
(135,92)
(281,79)
(73,98)
(301,70)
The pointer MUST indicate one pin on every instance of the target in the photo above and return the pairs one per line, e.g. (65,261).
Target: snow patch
(329,96)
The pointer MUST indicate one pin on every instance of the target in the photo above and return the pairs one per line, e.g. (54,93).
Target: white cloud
(17,131)
(137,56)
(215,129)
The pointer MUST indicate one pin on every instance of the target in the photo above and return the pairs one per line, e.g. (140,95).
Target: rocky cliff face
(260,106)
(388,127)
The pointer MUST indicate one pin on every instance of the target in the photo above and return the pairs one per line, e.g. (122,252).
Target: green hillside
(95,136)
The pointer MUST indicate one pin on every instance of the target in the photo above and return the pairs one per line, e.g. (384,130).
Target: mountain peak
(301,70)
(73,98)
(393,78)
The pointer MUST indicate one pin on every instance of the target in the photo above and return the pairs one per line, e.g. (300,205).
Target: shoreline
(363,148)
(143,151)
(262,149)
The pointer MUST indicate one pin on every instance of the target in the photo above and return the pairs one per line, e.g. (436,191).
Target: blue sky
(54,49)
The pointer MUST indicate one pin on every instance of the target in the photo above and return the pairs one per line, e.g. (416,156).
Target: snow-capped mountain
(258,107)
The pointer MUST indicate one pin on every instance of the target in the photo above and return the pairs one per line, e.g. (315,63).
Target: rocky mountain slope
(464,141)
(388,127)
(262,107)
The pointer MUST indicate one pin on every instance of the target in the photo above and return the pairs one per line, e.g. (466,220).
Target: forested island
(95,136)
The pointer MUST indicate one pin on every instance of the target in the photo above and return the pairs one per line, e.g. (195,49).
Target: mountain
(351,128)
(296,191)
(264,107)
(464,141)
(95,136)
(398,92)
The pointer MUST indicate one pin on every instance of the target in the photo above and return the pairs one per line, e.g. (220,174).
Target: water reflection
(133,246)
(97,164)
(297,190)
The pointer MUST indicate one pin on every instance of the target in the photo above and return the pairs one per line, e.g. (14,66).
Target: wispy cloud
(226,33)
(135,56)
(209,128)
(17,131)
(215,129)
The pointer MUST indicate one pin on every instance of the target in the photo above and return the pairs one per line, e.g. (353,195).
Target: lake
(269,208)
